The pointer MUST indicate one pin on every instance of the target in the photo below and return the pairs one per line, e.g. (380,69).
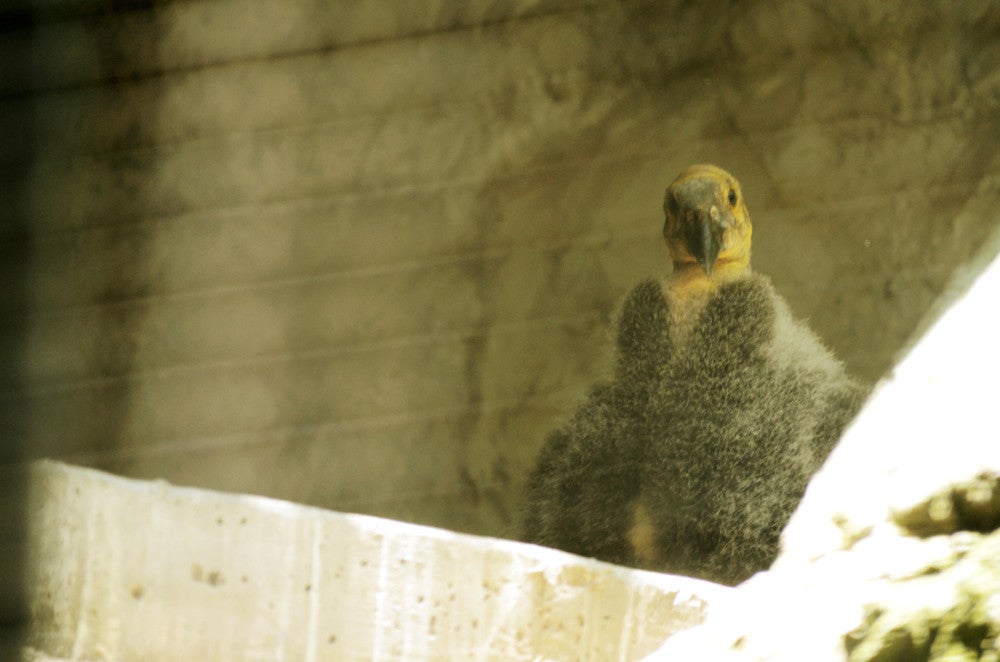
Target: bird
(691,455)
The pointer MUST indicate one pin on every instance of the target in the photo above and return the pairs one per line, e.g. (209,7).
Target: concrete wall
(362,255)
(136,570)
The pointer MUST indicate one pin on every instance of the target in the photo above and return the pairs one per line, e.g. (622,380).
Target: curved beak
(703,234)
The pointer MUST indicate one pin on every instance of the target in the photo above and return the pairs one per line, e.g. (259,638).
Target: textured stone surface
(134,570)
(893,551)
(363,255)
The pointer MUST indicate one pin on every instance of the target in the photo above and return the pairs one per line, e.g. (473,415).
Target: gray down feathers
(716,437)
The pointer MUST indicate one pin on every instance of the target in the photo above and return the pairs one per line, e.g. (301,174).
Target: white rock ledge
(134,570)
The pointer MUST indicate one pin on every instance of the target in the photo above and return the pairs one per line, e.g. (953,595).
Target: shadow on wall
(29,228)
(17,133)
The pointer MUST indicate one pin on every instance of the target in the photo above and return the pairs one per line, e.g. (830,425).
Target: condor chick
(692,456)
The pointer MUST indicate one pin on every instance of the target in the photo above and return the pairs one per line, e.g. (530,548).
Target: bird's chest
(706,397)
(684,312)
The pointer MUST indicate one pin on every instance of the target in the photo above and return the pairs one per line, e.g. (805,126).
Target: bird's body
(692,456)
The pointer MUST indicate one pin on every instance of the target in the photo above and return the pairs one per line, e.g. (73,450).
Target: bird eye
(732,197)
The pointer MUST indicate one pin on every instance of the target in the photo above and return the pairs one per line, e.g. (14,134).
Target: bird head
(707,222)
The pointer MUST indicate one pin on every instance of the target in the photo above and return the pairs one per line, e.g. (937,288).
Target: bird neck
(688,290)
(689,278)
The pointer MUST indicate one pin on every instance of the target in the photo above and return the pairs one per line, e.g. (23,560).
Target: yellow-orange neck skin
(688,289)
(688,276)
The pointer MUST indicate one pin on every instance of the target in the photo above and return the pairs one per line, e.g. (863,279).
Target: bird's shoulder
(641,324)
(739,315)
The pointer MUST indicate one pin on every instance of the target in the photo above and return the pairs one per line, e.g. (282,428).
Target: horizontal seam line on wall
(591,241)
(40,390)
(379,119)
(158,72)
(172,446)
(584,242)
